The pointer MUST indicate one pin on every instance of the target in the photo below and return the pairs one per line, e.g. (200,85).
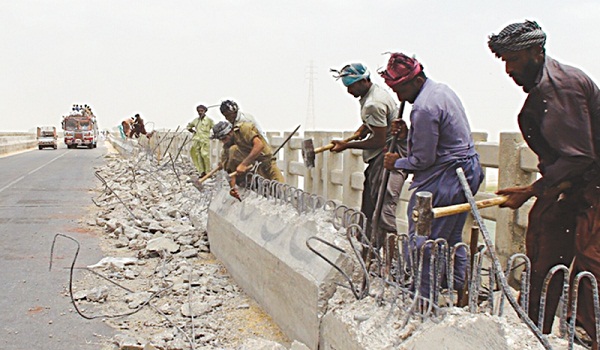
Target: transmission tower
(310,108)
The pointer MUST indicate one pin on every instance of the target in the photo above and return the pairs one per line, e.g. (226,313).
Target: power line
(310,108)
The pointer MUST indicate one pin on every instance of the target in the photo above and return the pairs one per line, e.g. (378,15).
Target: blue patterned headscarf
(352,73)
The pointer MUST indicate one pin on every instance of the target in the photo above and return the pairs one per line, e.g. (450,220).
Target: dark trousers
(549,241)
(587,254)
(373,178)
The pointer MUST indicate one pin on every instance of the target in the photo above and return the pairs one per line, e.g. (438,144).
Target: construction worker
(200,150)
(439,142)
(246,149)
(232,113)
(377,110)
(560,121)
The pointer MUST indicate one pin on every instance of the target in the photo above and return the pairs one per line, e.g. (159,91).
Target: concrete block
(263,247)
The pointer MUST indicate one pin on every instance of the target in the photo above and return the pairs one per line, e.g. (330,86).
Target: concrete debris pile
(387,323)
(159,272)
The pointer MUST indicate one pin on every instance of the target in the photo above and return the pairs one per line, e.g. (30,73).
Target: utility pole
(310,110)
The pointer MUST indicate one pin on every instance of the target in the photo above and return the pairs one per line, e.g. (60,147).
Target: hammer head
(423,213)
(308,153)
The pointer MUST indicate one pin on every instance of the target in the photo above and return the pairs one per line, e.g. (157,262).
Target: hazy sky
(162,58)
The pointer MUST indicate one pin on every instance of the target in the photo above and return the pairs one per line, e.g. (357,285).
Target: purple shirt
(439,133)
(560,121)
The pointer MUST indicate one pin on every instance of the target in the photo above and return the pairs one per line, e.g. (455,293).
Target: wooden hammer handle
(465,207)
(209,174)
(331,145)
(490,202)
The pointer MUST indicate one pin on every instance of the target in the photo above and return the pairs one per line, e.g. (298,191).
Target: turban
(516,37)
(400,69)
(352,73)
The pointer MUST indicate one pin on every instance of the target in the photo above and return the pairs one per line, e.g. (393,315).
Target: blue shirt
(439,133)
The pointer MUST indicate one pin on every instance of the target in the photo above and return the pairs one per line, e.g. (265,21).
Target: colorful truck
(47,137)
(80,127)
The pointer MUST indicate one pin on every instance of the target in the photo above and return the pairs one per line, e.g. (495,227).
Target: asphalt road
(43,193)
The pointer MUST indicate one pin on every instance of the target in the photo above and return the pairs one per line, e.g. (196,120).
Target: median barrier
(16,142)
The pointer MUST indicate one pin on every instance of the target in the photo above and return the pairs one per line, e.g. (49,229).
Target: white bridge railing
(339,176)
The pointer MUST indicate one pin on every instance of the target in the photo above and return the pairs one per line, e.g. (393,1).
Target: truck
(47,137)
(80,127)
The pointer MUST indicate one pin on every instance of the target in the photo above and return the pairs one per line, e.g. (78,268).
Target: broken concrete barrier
(263,246)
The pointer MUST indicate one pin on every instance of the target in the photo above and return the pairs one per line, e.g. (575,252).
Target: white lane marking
(31,172)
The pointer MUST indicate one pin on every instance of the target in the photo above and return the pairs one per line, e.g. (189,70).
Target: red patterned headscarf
(400,69)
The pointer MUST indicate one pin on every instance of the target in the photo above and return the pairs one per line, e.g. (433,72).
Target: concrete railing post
(510,237)
(352,179)
(466,232)
(332,167)
(291,156)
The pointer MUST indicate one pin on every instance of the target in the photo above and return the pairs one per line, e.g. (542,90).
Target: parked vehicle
(80,127)
(47,137)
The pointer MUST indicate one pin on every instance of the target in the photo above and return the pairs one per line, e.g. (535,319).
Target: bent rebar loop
(71,271)
(337,219)
(351,286)
(299,200)
(280,196)
(302,201)
(253,181)
(450,268)
(314,202)
(525,281)
(266,190)
(442,256)
(404,260)
(306,202)
(352,216)
(330,205)
(432,257)
(574,299)
(474,288)
(563,297)
(113,192)
(289,195)
(276,191)
(351,235)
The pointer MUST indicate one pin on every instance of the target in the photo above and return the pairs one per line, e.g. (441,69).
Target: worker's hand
(389,160)
(516,196)
(242,168)
(399,127)
(235,194)
(191,130)
(339,146)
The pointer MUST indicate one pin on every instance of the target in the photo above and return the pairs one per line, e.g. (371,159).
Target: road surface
(42,193)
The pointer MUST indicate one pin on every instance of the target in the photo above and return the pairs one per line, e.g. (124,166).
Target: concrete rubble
(158,258)
(162,288)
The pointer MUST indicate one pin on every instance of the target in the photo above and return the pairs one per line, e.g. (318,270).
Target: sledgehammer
(423,212)
(199,183)
(309,151)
